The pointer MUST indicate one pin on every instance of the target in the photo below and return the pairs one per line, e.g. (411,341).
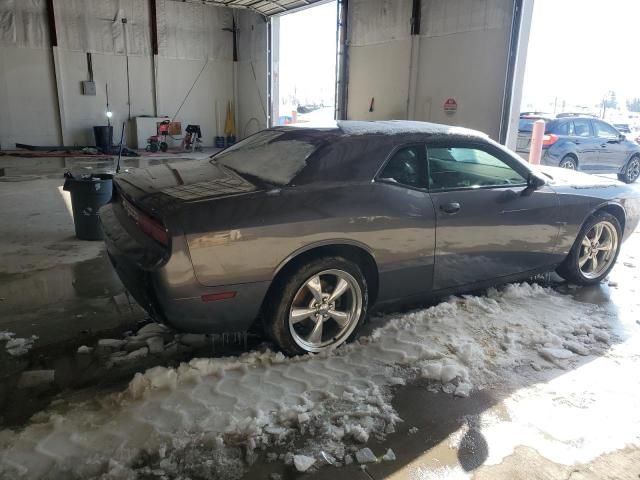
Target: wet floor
(62,313)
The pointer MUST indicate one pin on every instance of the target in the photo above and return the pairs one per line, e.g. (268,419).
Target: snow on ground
(208,417)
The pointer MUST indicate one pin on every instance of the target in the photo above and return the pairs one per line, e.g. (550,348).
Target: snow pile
(225,410)
(396,127)
(17,346)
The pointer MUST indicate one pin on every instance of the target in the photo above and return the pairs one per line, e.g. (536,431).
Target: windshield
(267,156)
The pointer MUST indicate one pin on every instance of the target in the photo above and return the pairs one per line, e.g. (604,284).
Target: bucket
(104,138)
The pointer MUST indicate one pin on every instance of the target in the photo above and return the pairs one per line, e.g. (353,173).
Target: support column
(342,61)
(516,64)
(55,61)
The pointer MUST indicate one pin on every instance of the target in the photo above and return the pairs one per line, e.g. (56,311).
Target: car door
(406,249)
(489,223)
(587,144)
(613,153)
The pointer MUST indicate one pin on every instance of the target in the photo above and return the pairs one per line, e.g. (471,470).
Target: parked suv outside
(587,144)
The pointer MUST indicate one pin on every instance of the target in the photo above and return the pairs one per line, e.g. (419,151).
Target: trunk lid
(161,188)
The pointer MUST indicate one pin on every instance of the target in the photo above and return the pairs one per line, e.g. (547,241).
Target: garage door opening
(304,65)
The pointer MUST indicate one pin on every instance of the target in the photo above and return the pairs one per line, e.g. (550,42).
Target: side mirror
(622,137)
(535,181)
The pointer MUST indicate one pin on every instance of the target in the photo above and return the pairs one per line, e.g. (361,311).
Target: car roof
(386,127)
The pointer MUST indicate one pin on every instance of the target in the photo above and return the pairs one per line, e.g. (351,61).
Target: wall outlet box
(88,87)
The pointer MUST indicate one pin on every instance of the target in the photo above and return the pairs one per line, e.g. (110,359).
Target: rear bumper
(167,288)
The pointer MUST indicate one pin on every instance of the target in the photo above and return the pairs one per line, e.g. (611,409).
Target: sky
(581,49)
(308,54)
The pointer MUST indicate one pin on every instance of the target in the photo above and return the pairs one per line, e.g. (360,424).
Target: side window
(581,128)
(605,131)
(407,167)
(451,168)
(561,128)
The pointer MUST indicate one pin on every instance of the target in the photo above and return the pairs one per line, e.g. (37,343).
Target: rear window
(526,124)
(271,156)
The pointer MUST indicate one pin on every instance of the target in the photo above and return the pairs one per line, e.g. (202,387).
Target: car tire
(319,306)
(631,170)
(600,231)
(569,162)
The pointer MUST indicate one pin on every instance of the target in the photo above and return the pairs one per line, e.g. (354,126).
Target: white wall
(379,58)
(461,53)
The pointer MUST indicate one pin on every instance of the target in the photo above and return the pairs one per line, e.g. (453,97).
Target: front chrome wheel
(325,310)
(598,249)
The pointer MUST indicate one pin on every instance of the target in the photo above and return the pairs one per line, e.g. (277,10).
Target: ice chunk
(365,455)
(463,389)
(84,349)
(576,347)
(153,329)
(111,343)
(19,346)
(553,354)
(390,456)
(303,463)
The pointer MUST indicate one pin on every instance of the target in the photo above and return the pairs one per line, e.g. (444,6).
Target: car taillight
(549,139)
(149,226)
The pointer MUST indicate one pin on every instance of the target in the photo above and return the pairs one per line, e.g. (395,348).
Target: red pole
(537,136)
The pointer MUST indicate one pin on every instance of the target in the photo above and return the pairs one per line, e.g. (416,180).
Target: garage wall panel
(251,73)
(96,26)
(194,31)
(463,54)
(28,110)
(379,58)
(82,112)
(378,21)
(23,23)
(211,92)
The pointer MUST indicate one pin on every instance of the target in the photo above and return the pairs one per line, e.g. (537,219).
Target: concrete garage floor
(552,418)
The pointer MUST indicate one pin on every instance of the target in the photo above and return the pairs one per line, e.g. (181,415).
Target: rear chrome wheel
(598,249)
(569,163)
(316,306)
(595,250)
(325,310)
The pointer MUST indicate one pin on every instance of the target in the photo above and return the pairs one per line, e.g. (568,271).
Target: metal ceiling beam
(263,7)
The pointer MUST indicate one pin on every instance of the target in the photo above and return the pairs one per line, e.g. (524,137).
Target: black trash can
(88,194)
(104,138)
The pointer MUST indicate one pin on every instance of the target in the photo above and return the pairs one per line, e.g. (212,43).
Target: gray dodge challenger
(307,229)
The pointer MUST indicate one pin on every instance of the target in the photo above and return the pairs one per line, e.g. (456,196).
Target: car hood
(564,176)
(159,188)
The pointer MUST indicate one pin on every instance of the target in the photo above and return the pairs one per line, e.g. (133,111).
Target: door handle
(450,208)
